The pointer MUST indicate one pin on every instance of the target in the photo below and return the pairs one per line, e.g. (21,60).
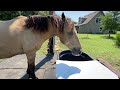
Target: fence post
(51,42)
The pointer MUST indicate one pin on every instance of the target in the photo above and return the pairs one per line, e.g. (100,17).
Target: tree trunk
(109,34)
(87,35)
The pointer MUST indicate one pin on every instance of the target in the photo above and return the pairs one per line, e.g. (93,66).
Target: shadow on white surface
(63,71)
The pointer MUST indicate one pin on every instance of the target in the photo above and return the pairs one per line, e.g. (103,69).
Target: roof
(90,16)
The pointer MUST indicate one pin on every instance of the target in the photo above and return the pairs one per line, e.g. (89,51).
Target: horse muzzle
(76,51)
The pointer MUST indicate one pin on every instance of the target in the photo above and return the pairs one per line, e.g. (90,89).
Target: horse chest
(9,47)
(9,50)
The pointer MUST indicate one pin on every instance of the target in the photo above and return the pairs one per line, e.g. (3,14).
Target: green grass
(97,46)
(43,49)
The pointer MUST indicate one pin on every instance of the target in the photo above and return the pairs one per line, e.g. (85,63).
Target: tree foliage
(7,15)
(110,21)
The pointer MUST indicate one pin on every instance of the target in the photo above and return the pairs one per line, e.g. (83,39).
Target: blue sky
(74,15)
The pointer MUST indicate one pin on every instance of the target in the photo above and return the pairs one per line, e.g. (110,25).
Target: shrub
(118,38)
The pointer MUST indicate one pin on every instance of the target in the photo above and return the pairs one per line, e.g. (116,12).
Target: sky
(74,15)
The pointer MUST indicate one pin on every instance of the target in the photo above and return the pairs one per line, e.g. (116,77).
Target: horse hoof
(36,78)
(33,78)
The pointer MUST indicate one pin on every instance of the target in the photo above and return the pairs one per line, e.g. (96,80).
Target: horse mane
(41,23)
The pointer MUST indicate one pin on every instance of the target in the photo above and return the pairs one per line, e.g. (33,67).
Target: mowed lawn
(96,45)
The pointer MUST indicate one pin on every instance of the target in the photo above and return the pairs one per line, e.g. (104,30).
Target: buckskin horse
(26,34)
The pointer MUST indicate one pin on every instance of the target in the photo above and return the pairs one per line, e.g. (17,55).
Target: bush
(118,38)
(113,32)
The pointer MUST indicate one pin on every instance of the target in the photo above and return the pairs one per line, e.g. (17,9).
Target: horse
(26,34)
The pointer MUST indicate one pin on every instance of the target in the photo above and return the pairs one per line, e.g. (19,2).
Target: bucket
(67,55)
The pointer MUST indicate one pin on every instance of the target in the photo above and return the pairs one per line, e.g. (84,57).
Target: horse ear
(63,17)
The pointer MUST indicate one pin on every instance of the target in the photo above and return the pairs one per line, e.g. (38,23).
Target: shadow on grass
(85,38)
(116,45)
(107,37)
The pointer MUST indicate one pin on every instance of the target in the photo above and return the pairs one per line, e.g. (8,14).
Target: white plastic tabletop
(83,70)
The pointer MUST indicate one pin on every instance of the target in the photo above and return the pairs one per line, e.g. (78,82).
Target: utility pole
(51,42)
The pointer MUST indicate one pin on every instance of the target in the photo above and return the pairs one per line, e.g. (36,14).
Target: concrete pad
(19,74)
(15,67)
(50,66)
(50,74)
(12,74)
(39,74)
(18,61)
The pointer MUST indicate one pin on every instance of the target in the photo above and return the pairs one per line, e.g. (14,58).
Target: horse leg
(31,65)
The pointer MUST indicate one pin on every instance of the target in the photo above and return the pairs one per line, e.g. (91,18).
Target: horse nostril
(75,49)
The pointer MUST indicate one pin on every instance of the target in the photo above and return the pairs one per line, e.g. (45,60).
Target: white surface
(83,70)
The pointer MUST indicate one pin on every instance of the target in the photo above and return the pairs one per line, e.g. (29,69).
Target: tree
(110,21)
(28,13)
(116,15)
(7,15)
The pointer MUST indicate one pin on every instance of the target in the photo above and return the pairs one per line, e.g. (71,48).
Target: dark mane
(41,23)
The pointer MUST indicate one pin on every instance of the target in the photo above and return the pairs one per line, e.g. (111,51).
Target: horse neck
(50,33)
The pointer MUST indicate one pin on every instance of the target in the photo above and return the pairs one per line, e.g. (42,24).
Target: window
(97,20)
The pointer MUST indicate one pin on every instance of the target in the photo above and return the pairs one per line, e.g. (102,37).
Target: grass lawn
(96,45)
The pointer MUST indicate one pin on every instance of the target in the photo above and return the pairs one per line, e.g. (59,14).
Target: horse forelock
(41,23)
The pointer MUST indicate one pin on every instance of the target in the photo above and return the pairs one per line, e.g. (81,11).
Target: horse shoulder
(30,41)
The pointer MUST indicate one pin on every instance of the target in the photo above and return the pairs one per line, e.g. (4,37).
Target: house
(90,23)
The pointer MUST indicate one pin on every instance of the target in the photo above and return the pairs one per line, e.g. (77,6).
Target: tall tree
(110,21)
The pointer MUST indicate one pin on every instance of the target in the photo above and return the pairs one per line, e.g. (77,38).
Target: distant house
(90,23)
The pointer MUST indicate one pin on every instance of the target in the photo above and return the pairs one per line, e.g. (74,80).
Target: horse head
(68,35)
